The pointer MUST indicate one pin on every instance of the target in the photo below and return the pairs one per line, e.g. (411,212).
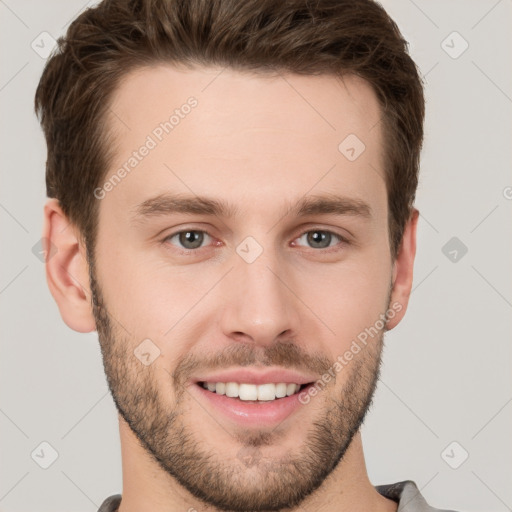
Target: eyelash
(342,240)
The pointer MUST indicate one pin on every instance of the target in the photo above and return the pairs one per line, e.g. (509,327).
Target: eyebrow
(169,204)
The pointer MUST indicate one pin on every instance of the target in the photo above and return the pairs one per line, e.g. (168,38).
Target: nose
(260,303)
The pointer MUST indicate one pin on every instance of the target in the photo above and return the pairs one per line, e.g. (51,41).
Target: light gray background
(446,374)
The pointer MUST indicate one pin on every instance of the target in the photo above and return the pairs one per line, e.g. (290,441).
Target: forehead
(224,133)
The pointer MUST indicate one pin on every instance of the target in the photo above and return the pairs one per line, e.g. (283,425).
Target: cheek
(152,299)
(347,300)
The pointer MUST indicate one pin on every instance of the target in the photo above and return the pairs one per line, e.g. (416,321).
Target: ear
(403,271)
(67,271)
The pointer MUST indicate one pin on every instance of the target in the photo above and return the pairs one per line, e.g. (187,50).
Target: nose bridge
(258,303)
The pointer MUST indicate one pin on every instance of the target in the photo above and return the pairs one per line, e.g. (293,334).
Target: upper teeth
(252,391)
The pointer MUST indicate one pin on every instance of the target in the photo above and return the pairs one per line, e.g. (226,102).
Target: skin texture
(255,143)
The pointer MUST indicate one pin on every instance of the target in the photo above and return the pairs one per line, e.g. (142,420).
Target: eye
(189,239)
(321,239)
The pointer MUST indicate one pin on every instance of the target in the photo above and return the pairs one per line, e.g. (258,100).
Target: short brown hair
(332,37)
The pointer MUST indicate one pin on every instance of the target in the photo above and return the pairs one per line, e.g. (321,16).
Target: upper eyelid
(341,237)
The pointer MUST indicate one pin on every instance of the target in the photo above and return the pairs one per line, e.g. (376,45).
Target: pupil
(191,239)
(315,238)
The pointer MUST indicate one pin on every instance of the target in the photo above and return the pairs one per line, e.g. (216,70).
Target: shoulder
(408,497)
(111,504)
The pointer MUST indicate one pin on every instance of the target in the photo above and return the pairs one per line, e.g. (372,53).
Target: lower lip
(249,413)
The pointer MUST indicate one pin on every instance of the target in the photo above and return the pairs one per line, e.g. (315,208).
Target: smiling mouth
(269,392)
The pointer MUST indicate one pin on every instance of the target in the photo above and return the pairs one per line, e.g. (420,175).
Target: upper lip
(248,376)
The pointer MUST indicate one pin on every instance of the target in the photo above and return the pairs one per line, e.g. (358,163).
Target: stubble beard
(267,484)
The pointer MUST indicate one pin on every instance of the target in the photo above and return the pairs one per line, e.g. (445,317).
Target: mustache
(282,354)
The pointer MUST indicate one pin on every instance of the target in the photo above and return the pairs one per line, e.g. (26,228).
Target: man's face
(258,288)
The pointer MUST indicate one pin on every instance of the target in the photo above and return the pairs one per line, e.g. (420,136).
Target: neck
(146,486)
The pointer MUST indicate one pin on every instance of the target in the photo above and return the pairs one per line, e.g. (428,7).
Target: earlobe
(67,271)
(403,271)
